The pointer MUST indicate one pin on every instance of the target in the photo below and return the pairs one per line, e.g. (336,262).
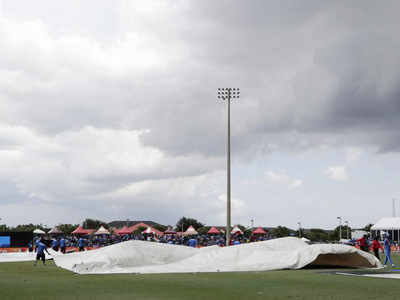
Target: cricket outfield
(24,281)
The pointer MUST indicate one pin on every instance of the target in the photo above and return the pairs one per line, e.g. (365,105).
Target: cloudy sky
(108,110)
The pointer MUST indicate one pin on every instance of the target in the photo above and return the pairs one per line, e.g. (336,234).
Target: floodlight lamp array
(228,93)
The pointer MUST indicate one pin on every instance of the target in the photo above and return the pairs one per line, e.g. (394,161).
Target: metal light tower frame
(228,94)
(299,223)
(340,227)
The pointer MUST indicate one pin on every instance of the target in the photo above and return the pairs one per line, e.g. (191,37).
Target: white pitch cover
(149,257)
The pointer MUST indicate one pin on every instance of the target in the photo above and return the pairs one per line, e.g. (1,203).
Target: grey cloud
(277,54)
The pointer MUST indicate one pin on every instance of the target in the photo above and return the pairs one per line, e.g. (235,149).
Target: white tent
(39,231)
(389,225)
(190,231)
(102,230)
(55,230)
(149,230)
(236,230)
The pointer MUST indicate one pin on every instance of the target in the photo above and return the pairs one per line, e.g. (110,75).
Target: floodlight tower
(228,94)
(340,227)
(299,223)
(394,207)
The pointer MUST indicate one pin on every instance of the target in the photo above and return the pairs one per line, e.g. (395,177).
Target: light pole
(394,207)
(228,94)
(252,222)
(340,227)
(299,223)
(347,229)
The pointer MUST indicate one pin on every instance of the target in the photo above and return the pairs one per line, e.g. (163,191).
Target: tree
(4,228)
(336,232)
(160,227)
(317,235)
(367,227)
(140,229)
(281,231)
(93,224)
(241,227)
(247,232)
(203,230)
(67,228)
(184,224)
(29,227)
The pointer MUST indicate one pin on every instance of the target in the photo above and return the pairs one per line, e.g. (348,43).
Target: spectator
(54,245)
(362,242)
(81,244)
(62,245)
(376,246)
(193,242)
(387,243)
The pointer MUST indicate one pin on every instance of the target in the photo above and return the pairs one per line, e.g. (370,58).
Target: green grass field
(24,281)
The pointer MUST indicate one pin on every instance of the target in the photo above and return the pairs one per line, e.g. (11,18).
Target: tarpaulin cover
(148,257)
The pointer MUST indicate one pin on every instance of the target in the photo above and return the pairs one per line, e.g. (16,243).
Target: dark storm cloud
(338,65)
(314,67)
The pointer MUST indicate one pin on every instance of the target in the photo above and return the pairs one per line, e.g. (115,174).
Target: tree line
(313,234)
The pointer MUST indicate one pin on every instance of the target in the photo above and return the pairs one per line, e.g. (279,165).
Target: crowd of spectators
(61,242)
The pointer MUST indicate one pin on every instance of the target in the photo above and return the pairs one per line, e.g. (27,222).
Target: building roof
(387,224)
(138,225)
(120,224)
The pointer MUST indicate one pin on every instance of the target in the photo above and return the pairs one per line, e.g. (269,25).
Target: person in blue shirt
(41,248)
(193,242)
(54,245)
(236,242)
(37,241)
(81,244)
(62,245)
(30,247)
(387,244)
